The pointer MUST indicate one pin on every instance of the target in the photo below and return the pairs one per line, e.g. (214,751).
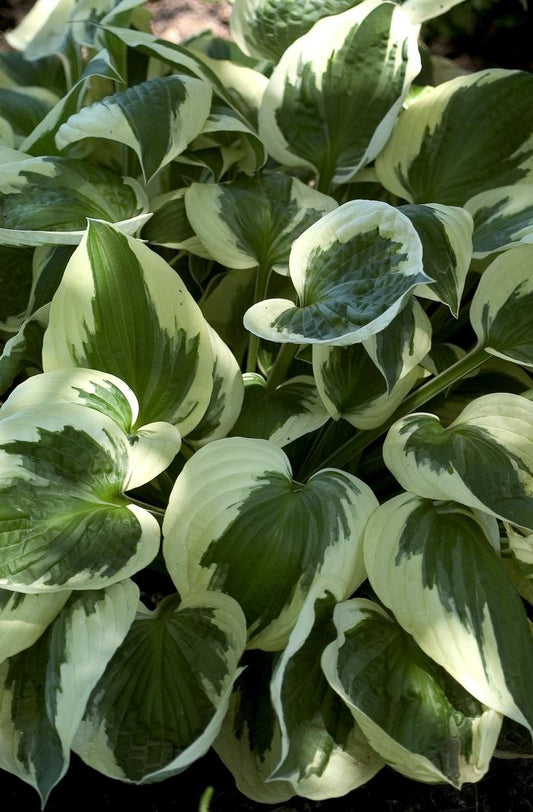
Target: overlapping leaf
(324,753)
(44,690)
(219,532)
(157,119)
(64,521)
(446,235)
(401,346)
(153,446)
(417,718)
(502,308)
(332,100)
(249,741)
(435,567)
(48,200)
(502,218)
(122,309)
(41,139)
(24,618)
(22,352)
(484,459)
(162,699)
(254,221)
(352,387)
(227,395)
(439,153)
(280,415)
(266,28)
(353,271)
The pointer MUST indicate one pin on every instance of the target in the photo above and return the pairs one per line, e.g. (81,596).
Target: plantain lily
(266,336)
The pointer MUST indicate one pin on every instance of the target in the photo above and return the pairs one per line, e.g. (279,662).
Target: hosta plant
(267,333)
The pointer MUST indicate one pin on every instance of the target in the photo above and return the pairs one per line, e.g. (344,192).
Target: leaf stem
(280,367)
(261,282)
(157,513)
(355,445)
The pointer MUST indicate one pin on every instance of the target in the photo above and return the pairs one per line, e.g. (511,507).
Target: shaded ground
(477,35)
(507,788)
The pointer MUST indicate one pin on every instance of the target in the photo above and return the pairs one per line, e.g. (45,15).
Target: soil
(508,787)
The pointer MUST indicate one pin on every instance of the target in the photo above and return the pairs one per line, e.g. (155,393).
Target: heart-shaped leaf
(435,567)
(221,532)
(44,690)
(417,718)
(502,218)
(438,152)
(502,308)
(332,100)
(64,521)
(161,701)
(353,271)
(324,753)
(254,221)
(122,309)
(484,459)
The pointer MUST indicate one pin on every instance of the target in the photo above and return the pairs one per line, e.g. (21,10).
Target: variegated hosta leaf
(224,305)
(254,221)
(88,13)
(244,85)
(353,271)
(64,521)
(265,28)
(22,352)
(184,60)
(502,308)
(153,446)
(332,100)
(49,263)
(402,345)
(237,522)
(441,357)
(249,742)
(324,754)
(23,618)
(502,217)
(484,459)
(157,119)
(439,152)
(48,200)
(417,718)
(41,140)
(446,235)
(122,309)
(352,387)
(233,136)
(16,71)
(25,107)
(226,396)
(169,225)
(16,277)
(44,690)
(434,566)
(164,695)
(521,546)
(7,136)
(280,415)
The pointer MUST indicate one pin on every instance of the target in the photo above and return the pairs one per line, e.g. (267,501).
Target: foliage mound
(267,324)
